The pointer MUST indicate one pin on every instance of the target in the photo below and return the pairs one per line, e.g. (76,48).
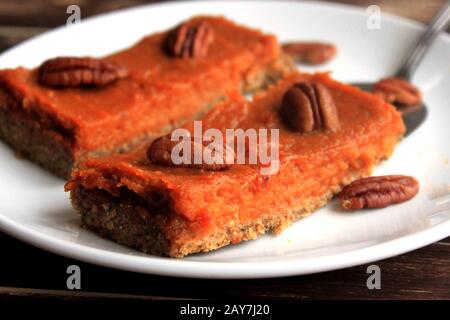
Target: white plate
(35,209)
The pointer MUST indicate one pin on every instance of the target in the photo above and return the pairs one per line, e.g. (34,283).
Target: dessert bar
(73,108)
(329,135)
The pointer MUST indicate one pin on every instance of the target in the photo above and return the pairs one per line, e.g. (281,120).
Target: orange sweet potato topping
(311,165)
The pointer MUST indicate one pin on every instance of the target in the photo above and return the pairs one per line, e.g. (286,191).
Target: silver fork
(412,60)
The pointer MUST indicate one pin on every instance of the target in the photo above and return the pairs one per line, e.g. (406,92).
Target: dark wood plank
(52,13)
(420,10)
(422,274)
(33,293)
(22,19)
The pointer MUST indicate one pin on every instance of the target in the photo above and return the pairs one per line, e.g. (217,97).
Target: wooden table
(29,272)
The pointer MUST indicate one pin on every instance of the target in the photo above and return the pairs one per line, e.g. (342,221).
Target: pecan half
(160,152)
(378,192)
(310,52)
(398,91)
(190,40)
(78,72)
(309,106)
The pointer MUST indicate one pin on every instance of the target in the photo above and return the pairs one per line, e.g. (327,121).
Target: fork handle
(415,56)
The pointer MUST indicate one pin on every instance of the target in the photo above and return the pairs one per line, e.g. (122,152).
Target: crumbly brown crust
(51,148)
(42,146)
(126,221)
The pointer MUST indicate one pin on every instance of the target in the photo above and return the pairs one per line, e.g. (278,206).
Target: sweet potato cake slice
(176,211)
(166,86)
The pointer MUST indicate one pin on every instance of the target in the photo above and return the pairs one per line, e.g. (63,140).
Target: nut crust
(378,192)
(190,40)
(309,106)
(310,52)
(398,91)
(76,72)
(160,152)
